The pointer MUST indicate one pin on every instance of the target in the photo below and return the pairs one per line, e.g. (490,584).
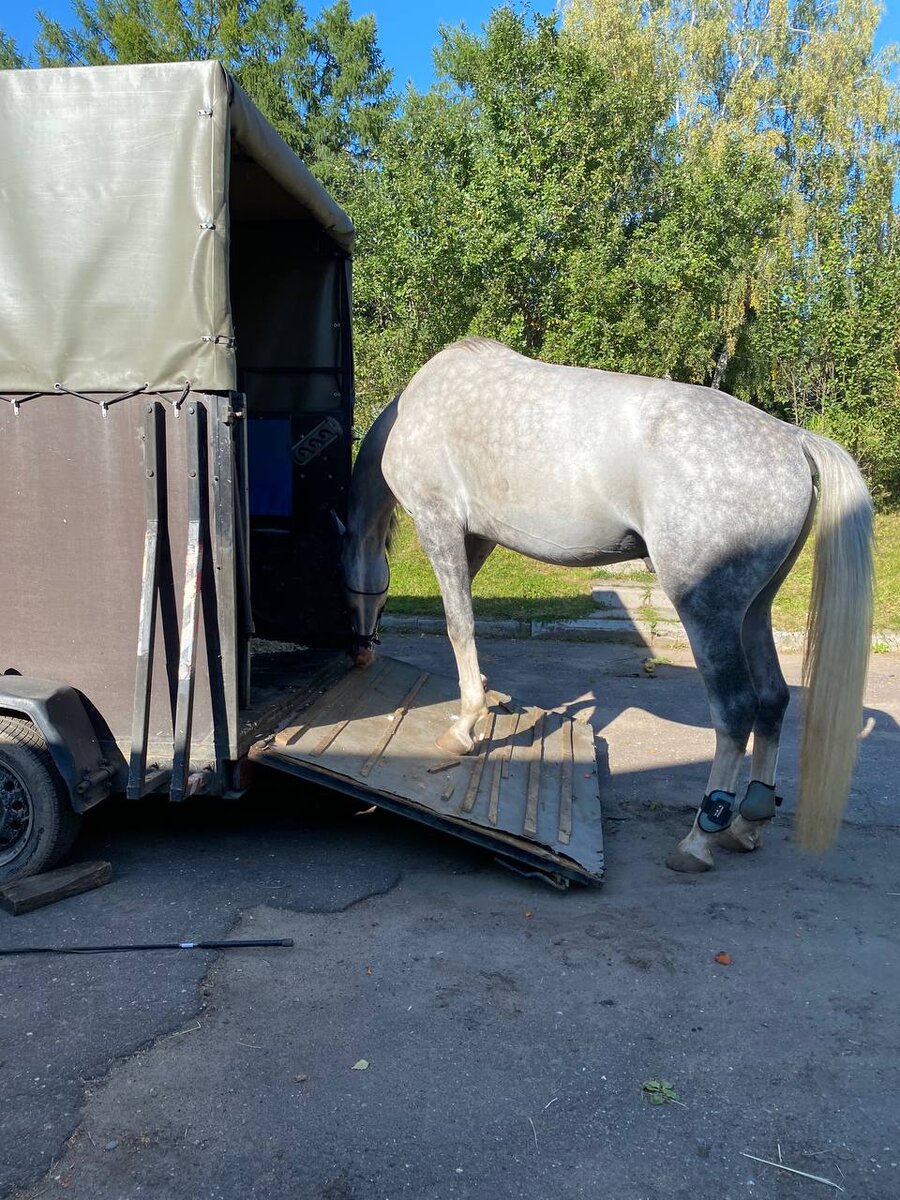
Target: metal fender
(59,713)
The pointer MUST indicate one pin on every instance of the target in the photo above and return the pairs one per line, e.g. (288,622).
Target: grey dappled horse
(584,468)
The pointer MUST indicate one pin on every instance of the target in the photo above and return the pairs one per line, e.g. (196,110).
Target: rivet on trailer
(176,406)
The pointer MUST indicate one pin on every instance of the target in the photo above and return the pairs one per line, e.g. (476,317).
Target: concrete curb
(667,635)
(483,628)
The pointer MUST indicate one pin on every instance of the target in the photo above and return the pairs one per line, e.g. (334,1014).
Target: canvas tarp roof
(114,224)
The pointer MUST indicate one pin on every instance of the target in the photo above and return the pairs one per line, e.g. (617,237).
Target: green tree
(414,285)
(558,146)
(541,194)
(9,54)
(323,85)
(487,188)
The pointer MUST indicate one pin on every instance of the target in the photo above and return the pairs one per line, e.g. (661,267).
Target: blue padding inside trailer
(270,467)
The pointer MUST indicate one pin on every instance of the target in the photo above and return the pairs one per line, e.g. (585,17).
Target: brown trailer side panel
(73,516)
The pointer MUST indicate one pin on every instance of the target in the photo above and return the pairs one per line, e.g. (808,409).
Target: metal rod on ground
(233,945)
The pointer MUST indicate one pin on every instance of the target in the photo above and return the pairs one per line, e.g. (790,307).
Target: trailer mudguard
(59,713)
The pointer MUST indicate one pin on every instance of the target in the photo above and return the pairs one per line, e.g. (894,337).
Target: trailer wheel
(37,824)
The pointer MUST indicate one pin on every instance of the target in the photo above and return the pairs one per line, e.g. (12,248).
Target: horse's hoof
(364,658)
(688,864)
(743,837)
(451,743)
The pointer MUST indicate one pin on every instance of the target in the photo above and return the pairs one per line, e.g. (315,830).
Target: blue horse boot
(755,810)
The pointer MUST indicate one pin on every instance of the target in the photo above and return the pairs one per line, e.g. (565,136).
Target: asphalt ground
(508,1028)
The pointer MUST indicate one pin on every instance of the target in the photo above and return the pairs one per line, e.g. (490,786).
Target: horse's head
(366,539)
(366,576)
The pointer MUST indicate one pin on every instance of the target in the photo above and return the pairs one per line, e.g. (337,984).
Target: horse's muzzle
(362,649)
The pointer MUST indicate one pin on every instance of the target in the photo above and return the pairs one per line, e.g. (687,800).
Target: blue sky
(407,29)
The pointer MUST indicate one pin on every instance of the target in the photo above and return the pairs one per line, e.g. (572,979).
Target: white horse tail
(838,637)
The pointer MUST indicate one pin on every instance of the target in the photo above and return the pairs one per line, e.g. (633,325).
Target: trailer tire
(37,822)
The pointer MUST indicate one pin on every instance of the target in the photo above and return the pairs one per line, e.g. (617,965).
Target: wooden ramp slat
(506,728)
(565,785)
(478,766)
(507,754)
(535,757)
(292,733)
(360,685)
(396,718)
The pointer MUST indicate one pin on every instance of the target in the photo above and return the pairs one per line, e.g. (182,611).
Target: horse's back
(561,451)
(499,433)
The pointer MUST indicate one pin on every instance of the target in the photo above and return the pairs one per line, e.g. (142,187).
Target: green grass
(789,609)
(510,586)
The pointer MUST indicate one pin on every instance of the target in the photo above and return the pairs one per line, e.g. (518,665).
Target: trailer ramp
(530,791)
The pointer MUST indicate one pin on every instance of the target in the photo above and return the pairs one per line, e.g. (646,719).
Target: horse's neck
(372,502)
(372,506)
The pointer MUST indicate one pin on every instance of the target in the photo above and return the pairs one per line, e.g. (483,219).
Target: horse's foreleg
(733,704)
(445,545)
(478,550)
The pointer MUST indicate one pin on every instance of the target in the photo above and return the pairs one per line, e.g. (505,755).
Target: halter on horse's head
(365,614)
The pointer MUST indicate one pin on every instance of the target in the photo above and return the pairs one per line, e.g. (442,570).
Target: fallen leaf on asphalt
(724,959)
(362,1065)
(368,969)
(659,1092)
(528,912)
(301,1078)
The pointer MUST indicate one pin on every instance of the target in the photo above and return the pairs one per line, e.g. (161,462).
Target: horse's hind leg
(758,805)
(478,550)
(445,545)
(715,638)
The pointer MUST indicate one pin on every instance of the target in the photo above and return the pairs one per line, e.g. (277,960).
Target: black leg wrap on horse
(716,812)
(759,803)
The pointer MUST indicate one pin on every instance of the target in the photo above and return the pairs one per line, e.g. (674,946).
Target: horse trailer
(176,408)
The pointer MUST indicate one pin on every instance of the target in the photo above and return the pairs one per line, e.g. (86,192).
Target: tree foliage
(543,197)
(323,85)
(10,58)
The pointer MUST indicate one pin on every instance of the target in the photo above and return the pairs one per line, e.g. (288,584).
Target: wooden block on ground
(24,895)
